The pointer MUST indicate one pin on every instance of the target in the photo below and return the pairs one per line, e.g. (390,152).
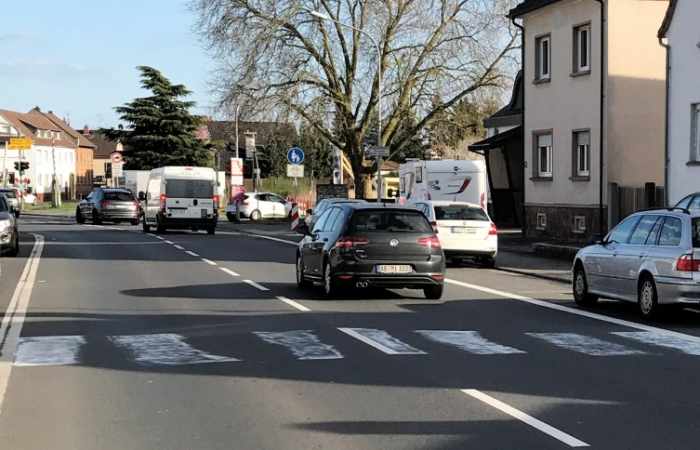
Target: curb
(34,214)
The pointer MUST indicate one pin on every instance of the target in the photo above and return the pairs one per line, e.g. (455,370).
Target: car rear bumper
(183,223)
(461,253)
(678,291)
(424,274)
(119,215)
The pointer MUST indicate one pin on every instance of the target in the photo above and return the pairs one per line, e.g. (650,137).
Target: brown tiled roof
(27,123)
(105,147)
(80,140)
(528,6)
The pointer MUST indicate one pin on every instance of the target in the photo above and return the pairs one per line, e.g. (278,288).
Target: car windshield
(189,189)
(696,232)
(389,221)
(119,196)
(9,193)
(459,212)
(3,204)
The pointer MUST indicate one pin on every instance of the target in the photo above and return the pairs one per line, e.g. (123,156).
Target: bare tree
(276,56)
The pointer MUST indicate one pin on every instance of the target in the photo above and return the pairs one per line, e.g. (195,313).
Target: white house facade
(680,32)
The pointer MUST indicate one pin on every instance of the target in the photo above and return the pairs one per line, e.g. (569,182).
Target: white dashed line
(179,247)
(303,344)
(159,237)
(166,349)
(517,414)
(209,261)
(169,242)
(192,254)
(294,304)
(229,271)
(257,286)
(270,238)
(382,341)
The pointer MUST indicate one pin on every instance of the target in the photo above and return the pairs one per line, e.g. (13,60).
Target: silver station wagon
(651,258)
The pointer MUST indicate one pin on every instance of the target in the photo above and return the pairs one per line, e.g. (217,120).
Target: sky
(78,58)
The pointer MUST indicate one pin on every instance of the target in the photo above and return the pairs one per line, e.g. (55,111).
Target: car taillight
(687,263)
(350,242)
(216,201)
(434,224)
(105,203)
(493,231)
(163,200)
(430,242)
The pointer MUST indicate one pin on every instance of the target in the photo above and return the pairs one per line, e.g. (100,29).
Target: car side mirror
(142,196)
(303,229)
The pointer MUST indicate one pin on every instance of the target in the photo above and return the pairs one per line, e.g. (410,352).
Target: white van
(448,179)
(180,197)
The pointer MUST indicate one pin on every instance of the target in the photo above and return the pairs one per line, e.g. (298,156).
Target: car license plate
(394,268)
(463,230)
(204,213)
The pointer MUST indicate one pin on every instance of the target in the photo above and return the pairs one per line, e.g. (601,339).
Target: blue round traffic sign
(295,155)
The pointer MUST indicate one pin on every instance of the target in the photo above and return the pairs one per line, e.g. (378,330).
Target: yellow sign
(20,144)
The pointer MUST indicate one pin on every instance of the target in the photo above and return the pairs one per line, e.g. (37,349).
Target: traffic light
(21,166)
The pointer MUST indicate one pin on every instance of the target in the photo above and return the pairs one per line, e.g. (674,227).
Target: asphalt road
(123,340)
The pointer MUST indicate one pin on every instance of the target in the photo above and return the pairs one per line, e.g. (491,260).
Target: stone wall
(561,223)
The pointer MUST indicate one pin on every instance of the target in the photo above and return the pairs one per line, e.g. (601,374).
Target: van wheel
(580,285)
(134,222)
(648,298)
(255,215)
(211,229)
(433,292)
(146,226)
(79,217)
(488,262)
(160,227)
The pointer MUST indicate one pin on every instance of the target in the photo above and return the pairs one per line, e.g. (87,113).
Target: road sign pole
(4,164)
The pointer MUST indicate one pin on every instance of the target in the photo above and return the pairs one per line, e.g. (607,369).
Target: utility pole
(55,194)
(238,109)
(4,163)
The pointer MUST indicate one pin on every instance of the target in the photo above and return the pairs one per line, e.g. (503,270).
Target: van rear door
(458,185)
(189,198)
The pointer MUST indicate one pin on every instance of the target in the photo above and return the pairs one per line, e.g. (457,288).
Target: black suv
(356,245)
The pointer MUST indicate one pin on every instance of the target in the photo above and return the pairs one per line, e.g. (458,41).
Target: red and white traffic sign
(116,157)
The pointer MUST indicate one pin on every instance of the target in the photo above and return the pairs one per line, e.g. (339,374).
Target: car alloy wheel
(647,298)
(580,288)
(301,279)
(328,285)
(255,216)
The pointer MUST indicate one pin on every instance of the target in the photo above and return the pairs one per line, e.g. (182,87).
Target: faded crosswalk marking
(304,344)
(165,349)
(586,344)
(686,344)
(381,340)
(49,350)
(469,341)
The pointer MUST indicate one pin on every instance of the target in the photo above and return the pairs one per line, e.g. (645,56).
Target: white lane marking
(209,261)
(382,341)
(16,311)
(159,237)
(257,286)
(192,254)
(469,341)
(304,344)
(517,414)
(567,309)
(165,349)
(270,238)
(179,247)
(168,242)
(49,350)
(293,304)
(586,344)
(689,345)
(73,244)
(230,272)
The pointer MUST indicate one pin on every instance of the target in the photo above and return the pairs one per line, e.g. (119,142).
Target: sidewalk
(551,261)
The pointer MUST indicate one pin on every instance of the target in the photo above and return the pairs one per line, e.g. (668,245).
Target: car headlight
(5,224)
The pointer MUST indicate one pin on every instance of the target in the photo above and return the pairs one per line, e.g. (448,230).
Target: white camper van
(180,197)
(451,180)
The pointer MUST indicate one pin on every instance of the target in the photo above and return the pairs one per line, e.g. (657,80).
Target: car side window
(641,233)
(332,216)
(685,202)
(337,221)
(671,232)
(695,204)
(622,232)
(654,233)
(262,197)
(321,222)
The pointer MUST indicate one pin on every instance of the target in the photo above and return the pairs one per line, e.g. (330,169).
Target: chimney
(86,130)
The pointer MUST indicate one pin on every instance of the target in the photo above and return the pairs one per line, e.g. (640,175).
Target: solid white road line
(257,286)
(270,238)
(165,349)
(689,345)
(293,304)
(192,254)
(179,247)
(209,261)
(49,350)
(229,271)
(13,318)
(469,341)
(168,242)
(586,344)
(303,344)
(159,237)
(517,414)
(567,309)
(382,341)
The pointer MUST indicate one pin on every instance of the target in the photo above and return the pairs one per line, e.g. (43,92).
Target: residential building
(52,152)
(101,162)
(594,78)
(680,33)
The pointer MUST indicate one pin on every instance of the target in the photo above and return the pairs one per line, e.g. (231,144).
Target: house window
(543,58)
(695,132)
(541,221)
(543,155)
(582,154)
(579,224)
(582,49)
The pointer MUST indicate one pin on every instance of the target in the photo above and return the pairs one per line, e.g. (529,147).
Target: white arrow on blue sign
(295,155)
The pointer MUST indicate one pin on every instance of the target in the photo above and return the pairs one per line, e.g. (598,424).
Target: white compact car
(465,230)
(258,206)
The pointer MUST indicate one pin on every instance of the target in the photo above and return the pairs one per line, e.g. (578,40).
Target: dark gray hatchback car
(356,245)
(109,204)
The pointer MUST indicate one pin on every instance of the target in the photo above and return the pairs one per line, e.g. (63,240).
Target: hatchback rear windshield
(118,196)
(459,212)
(389,222)
(9,193)
(189,189)
(696,232)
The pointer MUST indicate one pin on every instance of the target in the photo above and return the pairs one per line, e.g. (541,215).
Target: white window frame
(578,149)
(578,42)
(548,150)
(541,75)
(580,224)
(541,221)
(695,132)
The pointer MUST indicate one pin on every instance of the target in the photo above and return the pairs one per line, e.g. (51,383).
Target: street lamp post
(323,16)
(238,109)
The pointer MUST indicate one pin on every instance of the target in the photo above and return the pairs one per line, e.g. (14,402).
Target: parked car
(180,197)
(368,246)
(14,199)
(9,234)
(465,230)
(690,202)
(651,258)
(108,204)
(29,199)
(321,206)
(259,205)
